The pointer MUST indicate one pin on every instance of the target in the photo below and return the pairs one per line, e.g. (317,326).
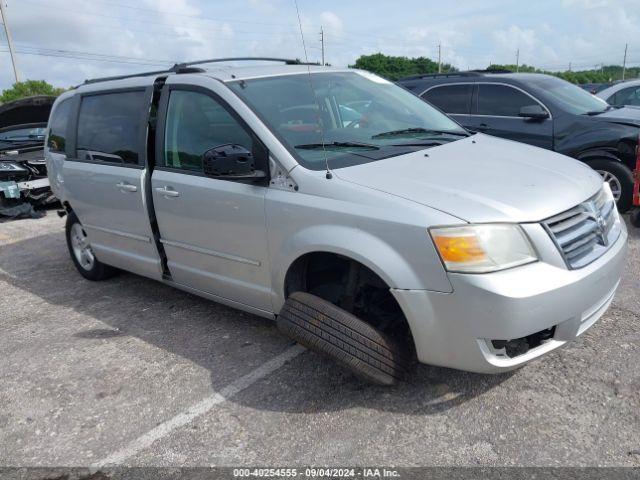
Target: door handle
(167,192)
(126,187)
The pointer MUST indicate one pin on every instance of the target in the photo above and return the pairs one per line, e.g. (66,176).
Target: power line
(87,58)
(174,13)
(149,22)
(25,47)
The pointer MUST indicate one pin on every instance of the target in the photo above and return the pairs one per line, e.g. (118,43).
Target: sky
(67,41)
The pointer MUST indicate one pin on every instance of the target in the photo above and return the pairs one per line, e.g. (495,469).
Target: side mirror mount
(232,162)
(534,112)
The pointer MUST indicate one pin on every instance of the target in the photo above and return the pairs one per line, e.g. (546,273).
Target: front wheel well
(351,286)
(623,154)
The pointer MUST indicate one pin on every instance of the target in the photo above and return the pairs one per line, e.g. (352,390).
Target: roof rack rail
(468,73)
(121,77)
(187,67)
(442,75)
(493,70)
(287,61)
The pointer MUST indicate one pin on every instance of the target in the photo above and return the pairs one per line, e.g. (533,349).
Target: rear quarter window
(57,139)
(109,127)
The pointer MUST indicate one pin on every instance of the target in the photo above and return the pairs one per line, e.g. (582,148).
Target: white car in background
(623,93)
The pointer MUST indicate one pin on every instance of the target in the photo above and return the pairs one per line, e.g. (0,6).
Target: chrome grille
(586,231)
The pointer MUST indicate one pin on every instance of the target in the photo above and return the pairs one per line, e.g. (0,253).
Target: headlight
(609,198)
(482,248)
(608,194)
(11,167)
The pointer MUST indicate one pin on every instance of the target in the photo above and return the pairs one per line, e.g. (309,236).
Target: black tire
(635,217)
(624,176)
(98,270)
(343,337)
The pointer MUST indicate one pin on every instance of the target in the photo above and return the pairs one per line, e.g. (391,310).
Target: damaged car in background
(24,185)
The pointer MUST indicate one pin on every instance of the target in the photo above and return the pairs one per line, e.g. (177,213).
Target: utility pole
(569,66)
(624,62)
(321,42)
(517,60)
(439,57)
(9,41)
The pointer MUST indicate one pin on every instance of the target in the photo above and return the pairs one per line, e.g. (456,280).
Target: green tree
(394,68)
(512,68)
(29,88)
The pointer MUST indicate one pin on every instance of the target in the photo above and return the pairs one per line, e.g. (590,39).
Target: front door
(104,180)
(496,112)
(213,230)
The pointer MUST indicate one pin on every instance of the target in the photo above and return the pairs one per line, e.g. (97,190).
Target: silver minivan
(374,228)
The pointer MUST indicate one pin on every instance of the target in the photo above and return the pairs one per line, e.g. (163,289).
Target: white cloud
(332,23)
(263,6)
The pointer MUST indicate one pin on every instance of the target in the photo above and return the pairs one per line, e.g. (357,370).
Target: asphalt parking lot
(133,372)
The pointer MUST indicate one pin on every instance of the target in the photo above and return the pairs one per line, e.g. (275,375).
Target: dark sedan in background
(541,110)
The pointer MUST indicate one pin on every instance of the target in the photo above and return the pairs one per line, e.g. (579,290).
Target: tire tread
(336,333)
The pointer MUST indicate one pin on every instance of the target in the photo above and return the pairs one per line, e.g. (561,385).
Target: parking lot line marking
(200,408)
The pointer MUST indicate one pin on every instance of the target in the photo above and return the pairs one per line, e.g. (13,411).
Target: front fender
(371,251)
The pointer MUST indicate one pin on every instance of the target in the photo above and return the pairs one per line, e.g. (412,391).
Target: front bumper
(456,329)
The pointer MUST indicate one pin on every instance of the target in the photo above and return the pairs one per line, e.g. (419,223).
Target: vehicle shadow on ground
(217,338)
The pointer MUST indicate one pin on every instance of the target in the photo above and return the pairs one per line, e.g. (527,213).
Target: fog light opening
(519,346)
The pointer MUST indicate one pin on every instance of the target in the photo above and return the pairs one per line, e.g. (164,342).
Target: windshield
(20,134)
(570,97)
(353,118)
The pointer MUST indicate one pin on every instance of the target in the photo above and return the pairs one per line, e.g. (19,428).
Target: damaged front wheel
(82,254)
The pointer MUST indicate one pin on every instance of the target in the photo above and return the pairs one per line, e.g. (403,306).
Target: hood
(26,111)
(482,179)
(625,115)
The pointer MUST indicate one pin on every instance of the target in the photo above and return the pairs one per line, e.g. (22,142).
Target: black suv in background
(541,110)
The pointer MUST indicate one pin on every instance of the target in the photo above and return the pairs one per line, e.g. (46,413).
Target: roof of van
(224,73)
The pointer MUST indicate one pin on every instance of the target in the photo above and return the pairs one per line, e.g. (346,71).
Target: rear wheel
(635,218)
(82,254)
(329,330)
(620,179)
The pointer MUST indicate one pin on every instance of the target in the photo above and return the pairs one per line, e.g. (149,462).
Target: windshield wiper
(425,143)
(409,131)
(598,112)
(314,146)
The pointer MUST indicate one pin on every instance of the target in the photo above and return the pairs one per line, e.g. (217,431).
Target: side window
(109,127)
(58,126)
(634,97)
(501,100)
(627,96)
(196,123)
(450,98)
